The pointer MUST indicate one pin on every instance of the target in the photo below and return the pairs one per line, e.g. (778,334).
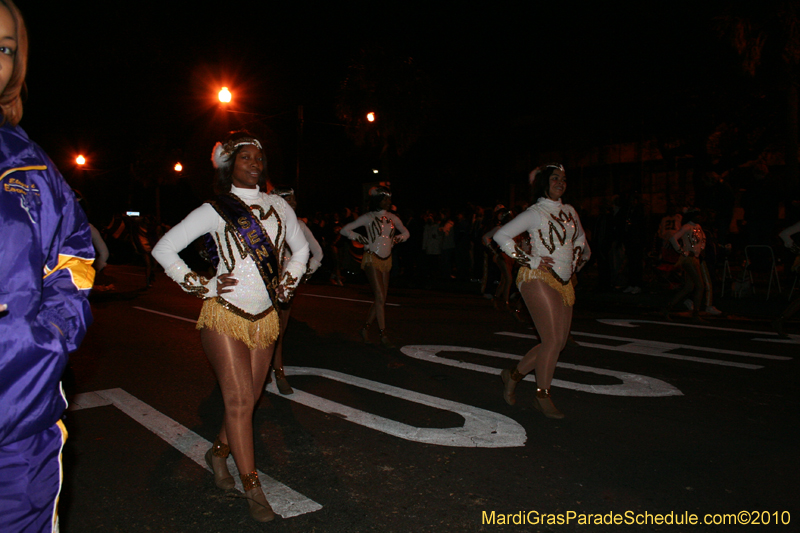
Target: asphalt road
(664,420)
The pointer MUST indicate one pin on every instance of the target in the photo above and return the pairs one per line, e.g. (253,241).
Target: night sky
(506,81)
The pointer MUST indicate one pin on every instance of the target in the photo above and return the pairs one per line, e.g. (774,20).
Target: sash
(251,237)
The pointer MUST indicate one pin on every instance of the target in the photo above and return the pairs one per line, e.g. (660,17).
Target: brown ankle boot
(510,377)
(260,509)
(544,404)
(216,459)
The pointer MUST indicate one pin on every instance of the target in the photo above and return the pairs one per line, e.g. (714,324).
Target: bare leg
(241,373)
(693,282)
(552,319)
(277,360)
(379,281)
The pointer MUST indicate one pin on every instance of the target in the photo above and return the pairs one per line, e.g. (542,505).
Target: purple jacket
(46,272)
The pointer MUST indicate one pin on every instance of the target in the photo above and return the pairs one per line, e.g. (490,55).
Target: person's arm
(583,252)
(505,238)
(348,232)
(487,237)
(674,240)
(296,267)
(786,235)
(202,220)
(314,248)
(403,234)
(100,248)
(68,272)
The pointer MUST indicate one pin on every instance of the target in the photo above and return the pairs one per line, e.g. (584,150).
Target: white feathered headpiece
(221,154)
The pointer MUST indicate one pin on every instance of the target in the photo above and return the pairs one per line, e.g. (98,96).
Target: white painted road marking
(339,298)
(626,323)
(658,349)
(632,384)
(165,314)
(285,501)
(481,429)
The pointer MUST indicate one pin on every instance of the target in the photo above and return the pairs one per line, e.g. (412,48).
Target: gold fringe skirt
(258,333)
(372,260)
(567,291)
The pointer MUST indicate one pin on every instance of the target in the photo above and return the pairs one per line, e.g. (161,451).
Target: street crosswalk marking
(340,298)
(632,384)
(481,429)
(659,349)
(631,323)
(284,501)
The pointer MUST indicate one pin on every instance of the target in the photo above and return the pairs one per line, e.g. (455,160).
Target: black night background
(469,97)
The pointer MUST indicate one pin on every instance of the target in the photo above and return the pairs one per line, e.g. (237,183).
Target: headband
(557,166)
(221,154)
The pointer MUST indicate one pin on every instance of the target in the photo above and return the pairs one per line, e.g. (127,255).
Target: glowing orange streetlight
(371,116)
(178,167)
(80,160)
(224,95)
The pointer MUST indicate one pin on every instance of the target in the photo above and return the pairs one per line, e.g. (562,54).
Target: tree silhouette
(767,41)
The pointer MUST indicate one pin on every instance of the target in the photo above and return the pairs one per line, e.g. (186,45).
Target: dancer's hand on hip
(225,283)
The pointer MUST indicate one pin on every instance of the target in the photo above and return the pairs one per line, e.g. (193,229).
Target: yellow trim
(22,169)
(64,436)
(567,291)
(80,270)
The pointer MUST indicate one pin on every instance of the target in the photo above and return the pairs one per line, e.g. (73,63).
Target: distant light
(80,160)
(225,95)
(371,116)
(374,170)
(178,167)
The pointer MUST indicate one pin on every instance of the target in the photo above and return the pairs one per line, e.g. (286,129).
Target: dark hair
(541,183)
(14,91)
(224,177)
(374,201)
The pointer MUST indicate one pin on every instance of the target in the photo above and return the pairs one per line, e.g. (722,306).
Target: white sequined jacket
(381,228)
(249,296)
(555,231)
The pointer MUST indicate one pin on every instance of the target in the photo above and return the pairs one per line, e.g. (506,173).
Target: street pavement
(665,420)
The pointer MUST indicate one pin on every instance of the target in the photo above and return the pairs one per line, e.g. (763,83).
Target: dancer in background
(382,234)
(286,308)
(786,237)
(558,250)
(690,242)
(245,230)
(45,276)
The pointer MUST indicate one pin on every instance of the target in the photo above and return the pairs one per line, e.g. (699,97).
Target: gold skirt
(258,333)
(567,291)
(372,260)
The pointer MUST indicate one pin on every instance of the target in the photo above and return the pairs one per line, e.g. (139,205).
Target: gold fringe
(370,259)
(567,292)
(256,334)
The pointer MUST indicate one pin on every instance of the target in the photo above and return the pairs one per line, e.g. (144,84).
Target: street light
(371,117)
(178,167)
(80,160)
(224,95)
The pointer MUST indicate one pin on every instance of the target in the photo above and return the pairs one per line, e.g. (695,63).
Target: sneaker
(629,289)
(711,310)
(689,304)
(636,290)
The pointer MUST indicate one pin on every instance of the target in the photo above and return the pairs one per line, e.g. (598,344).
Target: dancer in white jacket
(246,231)
(558,250)
(382,234)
